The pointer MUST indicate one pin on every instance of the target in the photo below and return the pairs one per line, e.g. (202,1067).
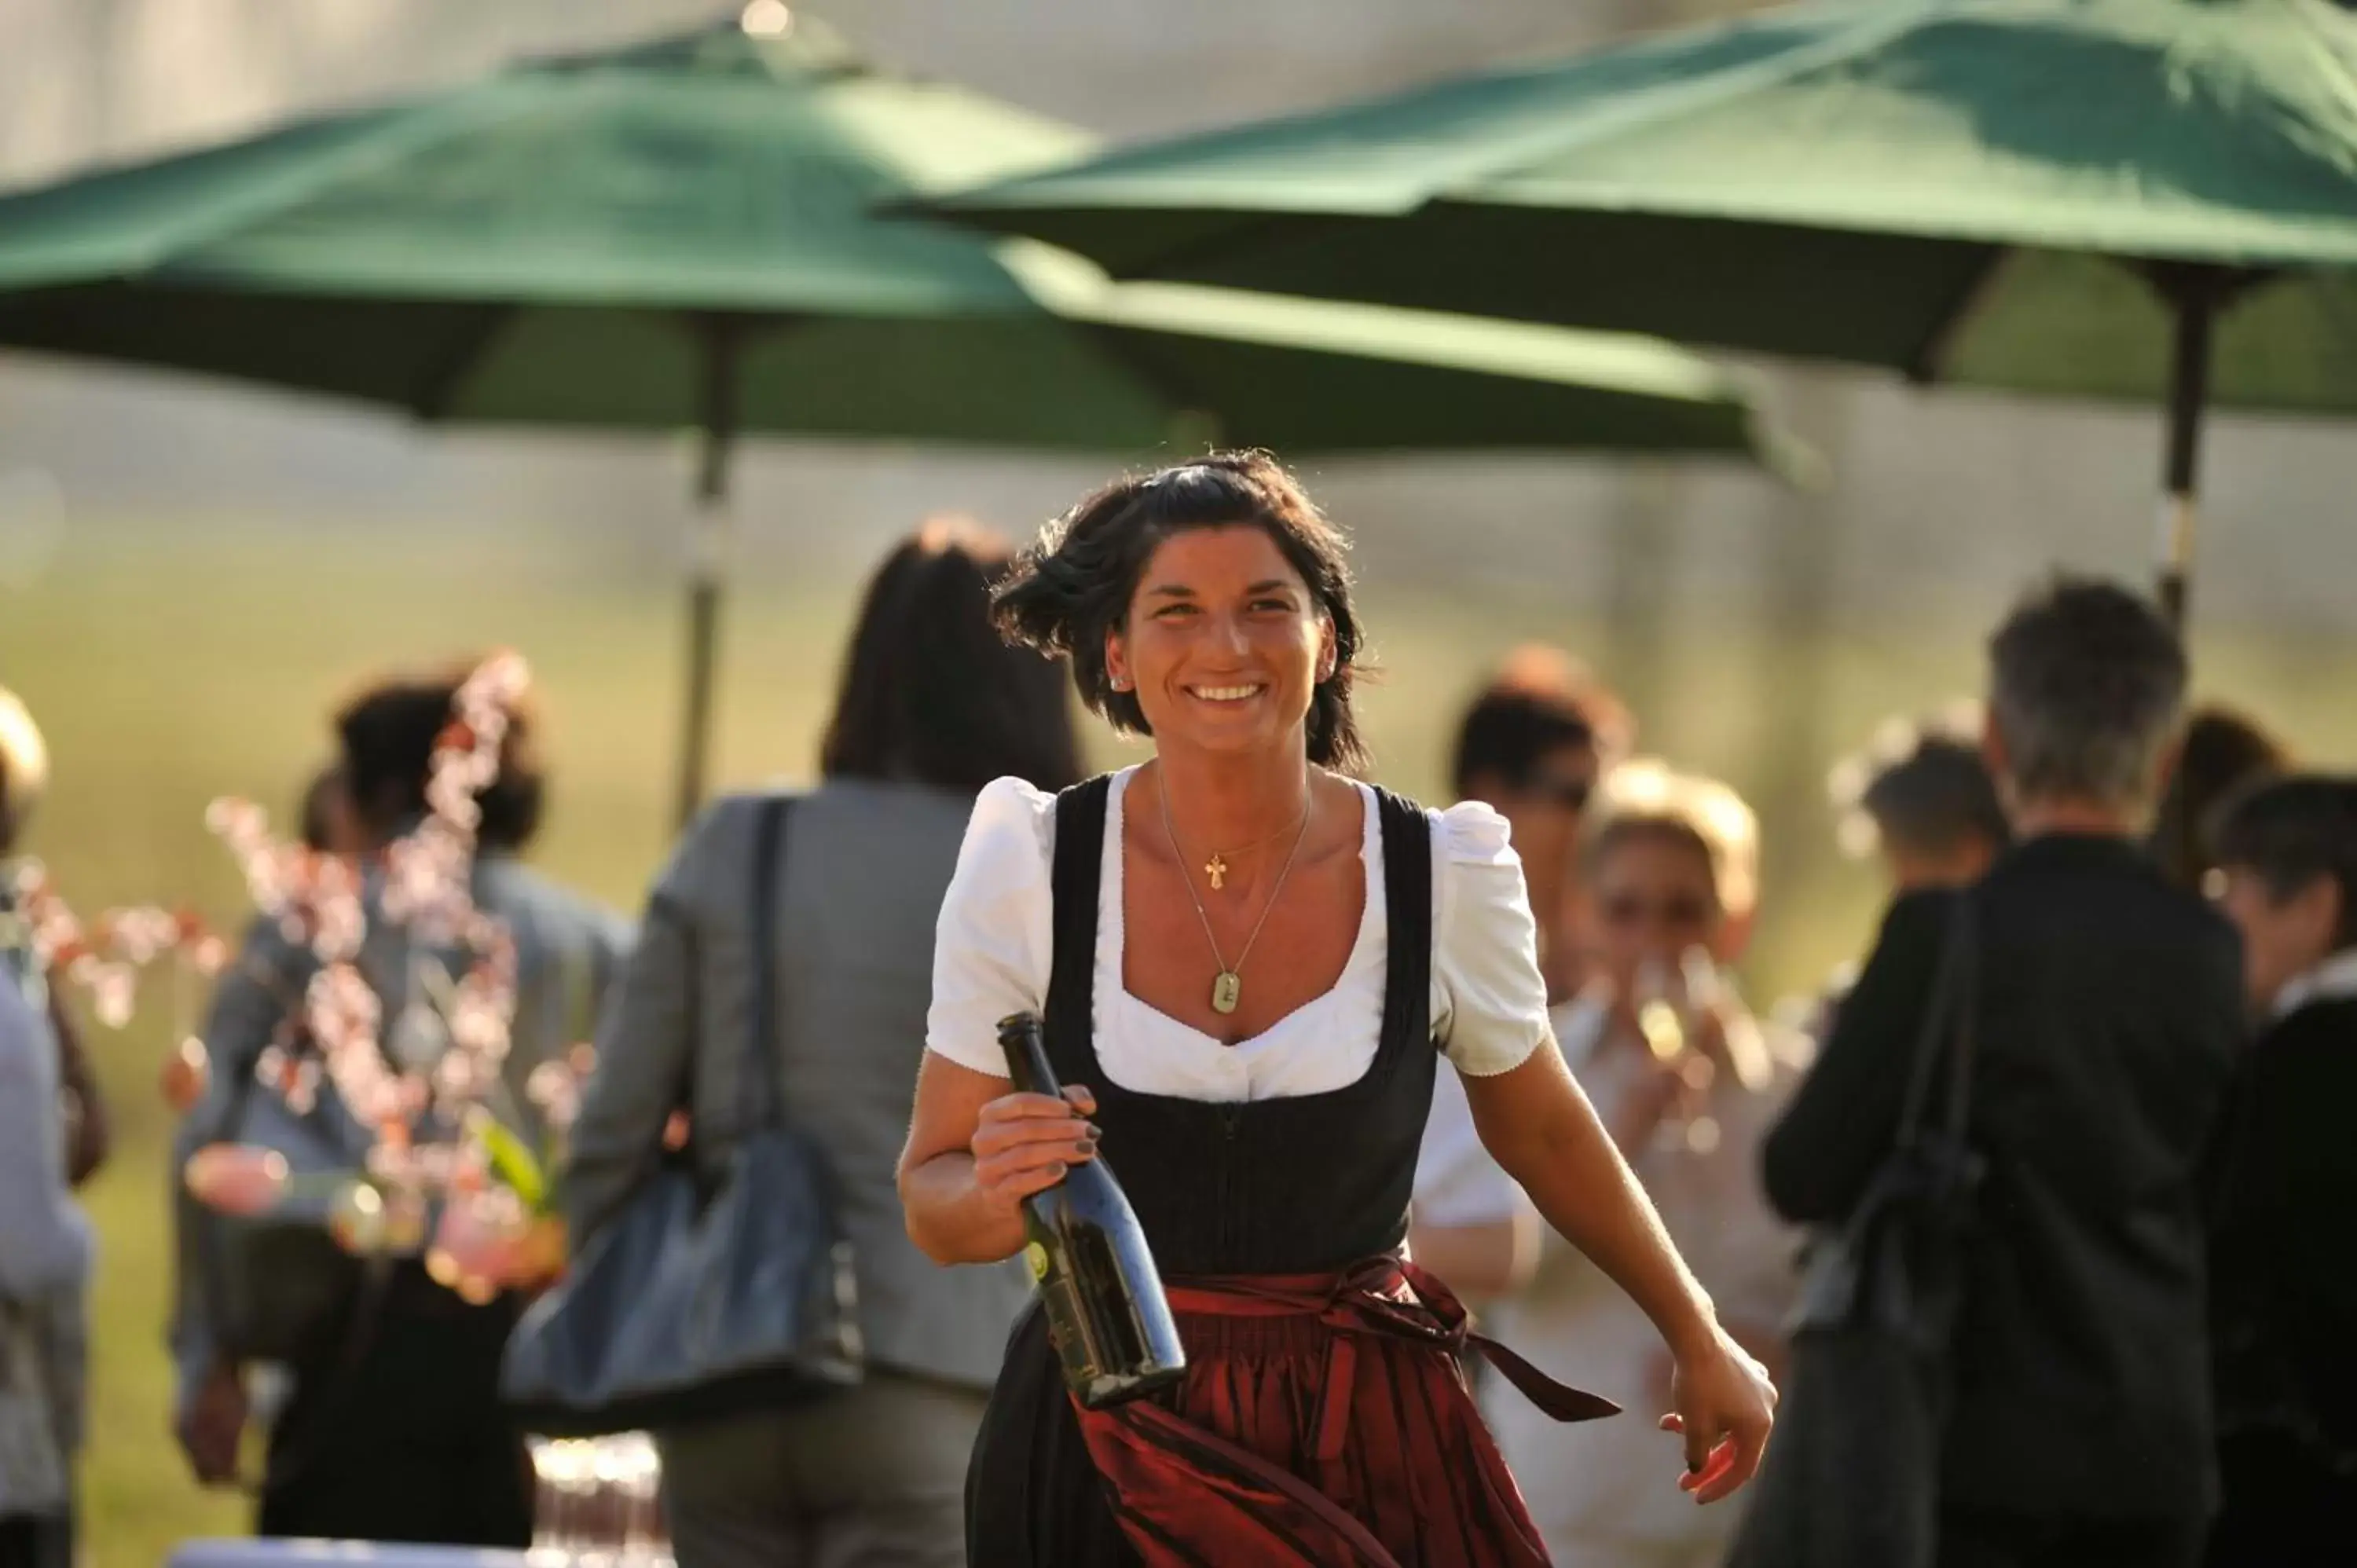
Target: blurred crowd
(2154,1361)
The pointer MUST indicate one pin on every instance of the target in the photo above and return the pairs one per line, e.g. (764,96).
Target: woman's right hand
(1023,1143)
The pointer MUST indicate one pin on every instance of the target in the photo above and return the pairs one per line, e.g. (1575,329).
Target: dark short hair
(930,690)
(2224,752)
(1936,798)
(318,795)
(2290,832)
(1074,586)
(1511,728)
(386,737)
(2086,685)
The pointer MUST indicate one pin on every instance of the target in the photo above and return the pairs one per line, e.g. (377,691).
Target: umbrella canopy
(2113,199)
(685,233)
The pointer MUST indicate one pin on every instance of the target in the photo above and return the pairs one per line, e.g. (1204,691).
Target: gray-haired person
(933,706)
(2108,1007)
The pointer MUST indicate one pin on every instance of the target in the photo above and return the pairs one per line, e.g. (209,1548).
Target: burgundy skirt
(1324,1422)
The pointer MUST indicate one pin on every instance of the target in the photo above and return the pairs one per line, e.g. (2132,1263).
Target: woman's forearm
(1538,1124)
(951,1220)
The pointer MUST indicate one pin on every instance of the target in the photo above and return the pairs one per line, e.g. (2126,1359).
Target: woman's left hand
(1723,1405)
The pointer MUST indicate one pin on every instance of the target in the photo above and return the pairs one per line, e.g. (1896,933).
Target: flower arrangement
(446,1173)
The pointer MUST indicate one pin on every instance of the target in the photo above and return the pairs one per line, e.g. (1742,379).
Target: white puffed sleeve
(994,941)
(1489,1001)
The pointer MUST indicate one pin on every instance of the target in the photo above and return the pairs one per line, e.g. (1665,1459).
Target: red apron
(1325,1422)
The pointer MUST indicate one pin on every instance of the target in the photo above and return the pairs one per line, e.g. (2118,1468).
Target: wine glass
(1674,1004)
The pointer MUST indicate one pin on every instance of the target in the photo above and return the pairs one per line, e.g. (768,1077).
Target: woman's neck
(1227,800)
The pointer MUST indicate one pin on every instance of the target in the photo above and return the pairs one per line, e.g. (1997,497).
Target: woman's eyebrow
(1172,591)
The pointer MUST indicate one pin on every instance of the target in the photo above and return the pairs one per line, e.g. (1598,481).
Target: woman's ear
(1328,659)
(1116,662)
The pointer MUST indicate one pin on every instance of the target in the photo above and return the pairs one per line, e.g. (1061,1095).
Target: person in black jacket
(2284,1277)
(2108,1007)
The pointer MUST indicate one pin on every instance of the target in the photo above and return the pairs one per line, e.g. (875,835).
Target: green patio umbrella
(685,234)
(2112,199)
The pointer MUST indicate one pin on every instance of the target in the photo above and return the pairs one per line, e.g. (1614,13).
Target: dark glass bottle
(1106,1314)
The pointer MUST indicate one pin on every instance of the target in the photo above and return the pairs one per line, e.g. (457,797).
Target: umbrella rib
(1921,366)
(1172,260)
(439,388)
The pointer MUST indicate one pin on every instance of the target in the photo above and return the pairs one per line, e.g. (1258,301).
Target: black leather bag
(705,1297)
(1851,1478)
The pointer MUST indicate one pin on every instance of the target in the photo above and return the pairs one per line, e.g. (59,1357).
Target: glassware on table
(1672,1003)
(597,1503)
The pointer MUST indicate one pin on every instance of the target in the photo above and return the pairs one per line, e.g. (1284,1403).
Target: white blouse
(995,945)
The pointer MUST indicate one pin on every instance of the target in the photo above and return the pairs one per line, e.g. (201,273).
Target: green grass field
(169,666)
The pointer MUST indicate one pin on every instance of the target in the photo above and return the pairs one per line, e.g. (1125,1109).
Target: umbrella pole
(2195,298)
(708,556)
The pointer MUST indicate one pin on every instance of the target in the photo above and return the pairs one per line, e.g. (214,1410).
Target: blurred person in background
(1686,1080)
(392,1428)
(1528,747)
(2224,751)
(931,707)
(52,1136)
(1531,747)
(1935,819)
(2283,1276)
(2107,1008)
(330,820)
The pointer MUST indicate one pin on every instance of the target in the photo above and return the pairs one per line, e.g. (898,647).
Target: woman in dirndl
(1252,962)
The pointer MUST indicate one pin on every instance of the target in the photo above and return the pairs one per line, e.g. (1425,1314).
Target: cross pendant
(1217,870)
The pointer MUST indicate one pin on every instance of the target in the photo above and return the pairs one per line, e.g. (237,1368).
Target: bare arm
(1537,1123)
(976,1151)
(1483,1260)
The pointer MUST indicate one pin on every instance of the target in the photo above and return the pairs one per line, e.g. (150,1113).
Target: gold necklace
(1215,870)
(1227,990)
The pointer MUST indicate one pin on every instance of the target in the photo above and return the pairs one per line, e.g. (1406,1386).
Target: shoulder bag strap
(1948,1022)
(763,1103)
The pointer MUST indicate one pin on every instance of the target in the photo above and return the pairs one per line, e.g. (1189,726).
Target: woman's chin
(1246,732)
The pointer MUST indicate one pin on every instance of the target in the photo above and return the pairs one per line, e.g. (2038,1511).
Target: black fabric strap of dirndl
(1408,906)
(1073,877)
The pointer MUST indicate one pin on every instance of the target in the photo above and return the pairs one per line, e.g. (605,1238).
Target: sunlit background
(190,575)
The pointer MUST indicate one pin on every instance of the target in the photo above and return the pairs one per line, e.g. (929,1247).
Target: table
(263,1552)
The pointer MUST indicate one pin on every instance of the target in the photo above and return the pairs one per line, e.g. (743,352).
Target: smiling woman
(1254,962)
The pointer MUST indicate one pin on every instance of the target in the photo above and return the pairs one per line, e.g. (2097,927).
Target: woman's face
(1224,644)
(1652,898)
(2282,937)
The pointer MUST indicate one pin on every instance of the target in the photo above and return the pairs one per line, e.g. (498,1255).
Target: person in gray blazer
(933,706)
(392,1428)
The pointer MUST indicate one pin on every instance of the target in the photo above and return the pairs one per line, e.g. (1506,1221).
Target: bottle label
(1037,1256)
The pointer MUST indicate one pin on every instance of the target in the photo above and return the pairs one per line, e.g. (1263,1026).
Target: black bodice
(1305,1184)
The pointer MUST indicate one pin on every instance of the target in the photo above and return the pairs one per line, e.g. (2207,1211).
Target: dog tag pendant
(1224,992)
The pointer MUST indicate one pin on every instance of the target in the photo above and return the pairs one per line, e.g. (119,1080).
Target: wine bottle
(1107,1317)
